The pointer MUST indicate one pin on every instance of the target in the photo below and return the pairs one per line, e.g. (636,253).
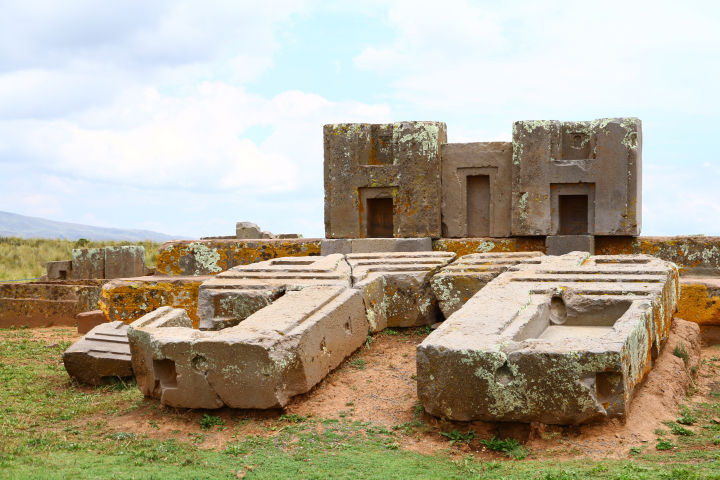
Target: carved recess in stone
(563,341)
(396,286)
(458,282)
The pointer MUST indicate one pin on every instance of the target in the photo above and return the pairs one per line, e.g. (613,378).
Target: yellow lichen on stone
(697,305)
(128,300)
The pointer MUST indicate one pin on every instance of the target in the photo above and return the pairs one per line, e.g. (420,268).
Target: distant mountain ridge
(14,225)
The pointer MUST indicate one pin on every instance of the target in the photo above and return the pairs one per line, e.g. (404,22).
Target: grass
(26,257)
(51,428)
(681,352)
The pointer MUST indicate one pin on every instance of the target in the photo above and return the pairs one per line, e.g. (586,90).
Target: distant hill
(14,225)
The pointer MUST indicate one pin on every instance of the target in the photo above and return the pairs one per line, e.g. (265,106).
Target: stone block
(59,270)
(100,357)
(127,300)
(467,246)
(563,341)
(562,244)
(279,351)
(396,287)
(577,178)
(247,230)
(88,263)
(288,235)
(232,296)
(477,186)
(86,321)
(387,245)
(46,304)
(383,180)
(124,261)
(210,257)
(332,246)
(700,303)
(455,284)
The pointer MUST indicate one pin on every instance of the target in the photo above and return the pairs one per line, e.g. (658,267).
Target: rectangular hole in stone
(381,145)
(380,217)
(478,205)
(164,371)
(573,214)
(63,274)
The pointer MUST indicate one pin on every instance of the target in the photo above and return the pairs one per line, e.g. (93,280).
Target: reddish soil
(382,390)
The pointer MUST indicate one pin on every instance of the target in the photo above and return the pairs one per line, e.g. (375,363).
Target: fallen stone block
(277,352)
(100,357)
(59,270)
(563,244)
(247,230)
(396,286)
(124,261)
(88,263)
(86,321)
(126,300)
(455,284)
(564,341)
(232,296)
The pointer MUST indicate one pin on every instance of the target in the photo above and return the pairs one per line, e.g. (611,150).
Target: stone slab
(126,300)
(124,261)
(210,257)
(467,246)
(231,297)
(457,283)
(386,245)
(88,263)
(461,164)
(332,246)
(279,351)
(489,360)
(100,357)
(562,244)
(398,163)
(61,270)
(86,321)
(45,304)
(700,302)
(396,286)
(601,160)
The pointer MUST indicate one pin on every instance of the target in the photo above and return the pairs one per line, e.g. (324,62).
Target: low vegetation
(52,428)
(22,258)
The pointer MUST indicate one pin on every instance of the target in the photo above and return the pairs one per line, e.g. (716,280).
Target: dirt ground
(376,384)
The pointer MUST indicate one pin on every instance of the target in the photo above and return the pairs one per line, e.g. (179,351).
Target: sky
(187,117)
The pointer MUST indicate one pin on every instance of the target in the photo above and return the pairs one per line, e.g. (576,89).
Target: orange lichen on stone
(466,246)
(700,302)
(128,300)
(210,257)
(694,255)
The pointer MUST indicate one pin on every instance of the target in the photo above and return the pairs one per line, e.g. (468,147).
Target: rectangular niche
(573,208)
(478,205)
(377,212)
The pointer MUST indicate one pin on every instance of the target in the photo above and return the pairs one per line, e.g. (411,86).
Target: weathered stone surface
(396,287)
(268,235)
(247,230)
(386,245)
(697,256)
(332,246)
(700,303)
(288,235)
(210,257)
(49,303)
(127,300)
(466,246)
(232,296)
(124,261)
(383,180)
(563,341)
(455,284)
(597,164)
(277,352)
(562,244)
(59,270)
(86,321)
(88,263)
(101,356)
(476,185)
